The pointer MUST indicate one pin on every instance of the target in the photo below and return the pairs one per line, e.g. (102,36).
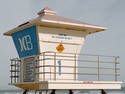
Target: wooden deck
(67,85)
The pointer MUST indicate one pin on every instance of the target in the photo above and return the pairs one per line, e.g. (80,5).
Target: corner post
(98,69)
(75,68)
(44,66)
(116,68)
(55,66)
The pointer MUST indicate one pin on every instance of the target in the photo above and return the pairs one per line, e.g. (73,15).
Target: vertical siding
(49,39)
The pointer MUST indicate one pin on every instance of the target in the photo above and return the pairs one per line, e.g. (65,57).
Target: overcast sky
(106,13)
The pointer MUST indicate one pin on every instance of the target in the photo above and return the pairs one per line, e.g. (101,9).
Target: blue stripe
(59,62)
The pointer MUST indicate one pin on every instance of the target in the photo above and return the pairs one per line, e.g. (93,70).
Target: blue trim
(59,62)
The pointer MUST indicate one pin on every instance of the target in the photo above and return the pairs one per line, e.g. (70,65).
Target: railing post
(18,70)
(55,66)
(11,71)
(50,72)
(44,66)
(115,68)
(36,65)
(98,69)
(75,67)
(15,71)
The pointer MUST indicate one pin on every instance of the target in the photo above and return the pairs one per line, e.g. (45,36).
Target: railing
(15,69)
(80,66)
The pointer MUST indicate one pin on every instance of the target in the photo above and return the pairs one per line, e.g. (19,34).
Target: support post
(25,92)
(35,91)
(70,92)
(103,92)
(46,91)
(53,92)
(41,92)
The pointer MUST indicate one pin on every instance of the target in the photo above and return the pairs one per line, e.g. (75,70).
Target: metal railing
(82,65)
(15,69)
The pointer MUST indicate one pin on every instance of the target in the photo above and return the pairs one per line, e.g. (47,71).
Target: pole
(55,66)
(75,68)
(44,66)
(115,68)
(98,69)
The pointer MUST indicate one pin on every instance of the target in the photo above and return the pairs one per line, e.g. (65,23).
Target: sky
(105,13)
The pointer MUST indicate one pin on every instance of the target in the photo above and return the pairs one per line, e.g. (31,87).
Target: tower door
(29,69)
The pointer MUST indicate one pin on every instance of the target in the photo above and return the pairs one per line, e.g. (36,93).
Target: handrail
(78,67)
(73,73)
(77,60)
(79,54)
(40,63)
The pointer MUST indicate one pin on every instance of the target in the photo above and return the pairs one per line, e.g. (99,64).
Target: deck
(67,85)
(76,71)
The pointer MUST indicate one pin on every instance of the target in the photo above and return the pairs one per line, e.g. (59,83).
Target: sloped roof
(47,17)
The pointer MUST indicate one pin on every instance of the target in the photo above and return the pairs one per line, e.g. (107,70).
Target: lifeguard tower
(49,56)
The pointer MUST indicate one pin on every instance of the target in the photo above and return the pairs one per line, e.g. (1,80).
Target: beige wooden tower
(49,51)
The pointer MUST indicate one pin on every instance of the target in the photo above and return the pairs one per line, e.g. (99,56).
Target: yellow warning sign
(60,48)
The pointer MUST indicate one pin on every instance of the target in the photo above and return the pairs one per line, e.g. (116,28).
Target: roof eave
(75,26)
(9,33)
(57,24)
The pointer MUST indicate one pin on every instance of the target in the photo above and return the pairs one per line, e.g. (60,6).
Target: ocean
(122,91)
